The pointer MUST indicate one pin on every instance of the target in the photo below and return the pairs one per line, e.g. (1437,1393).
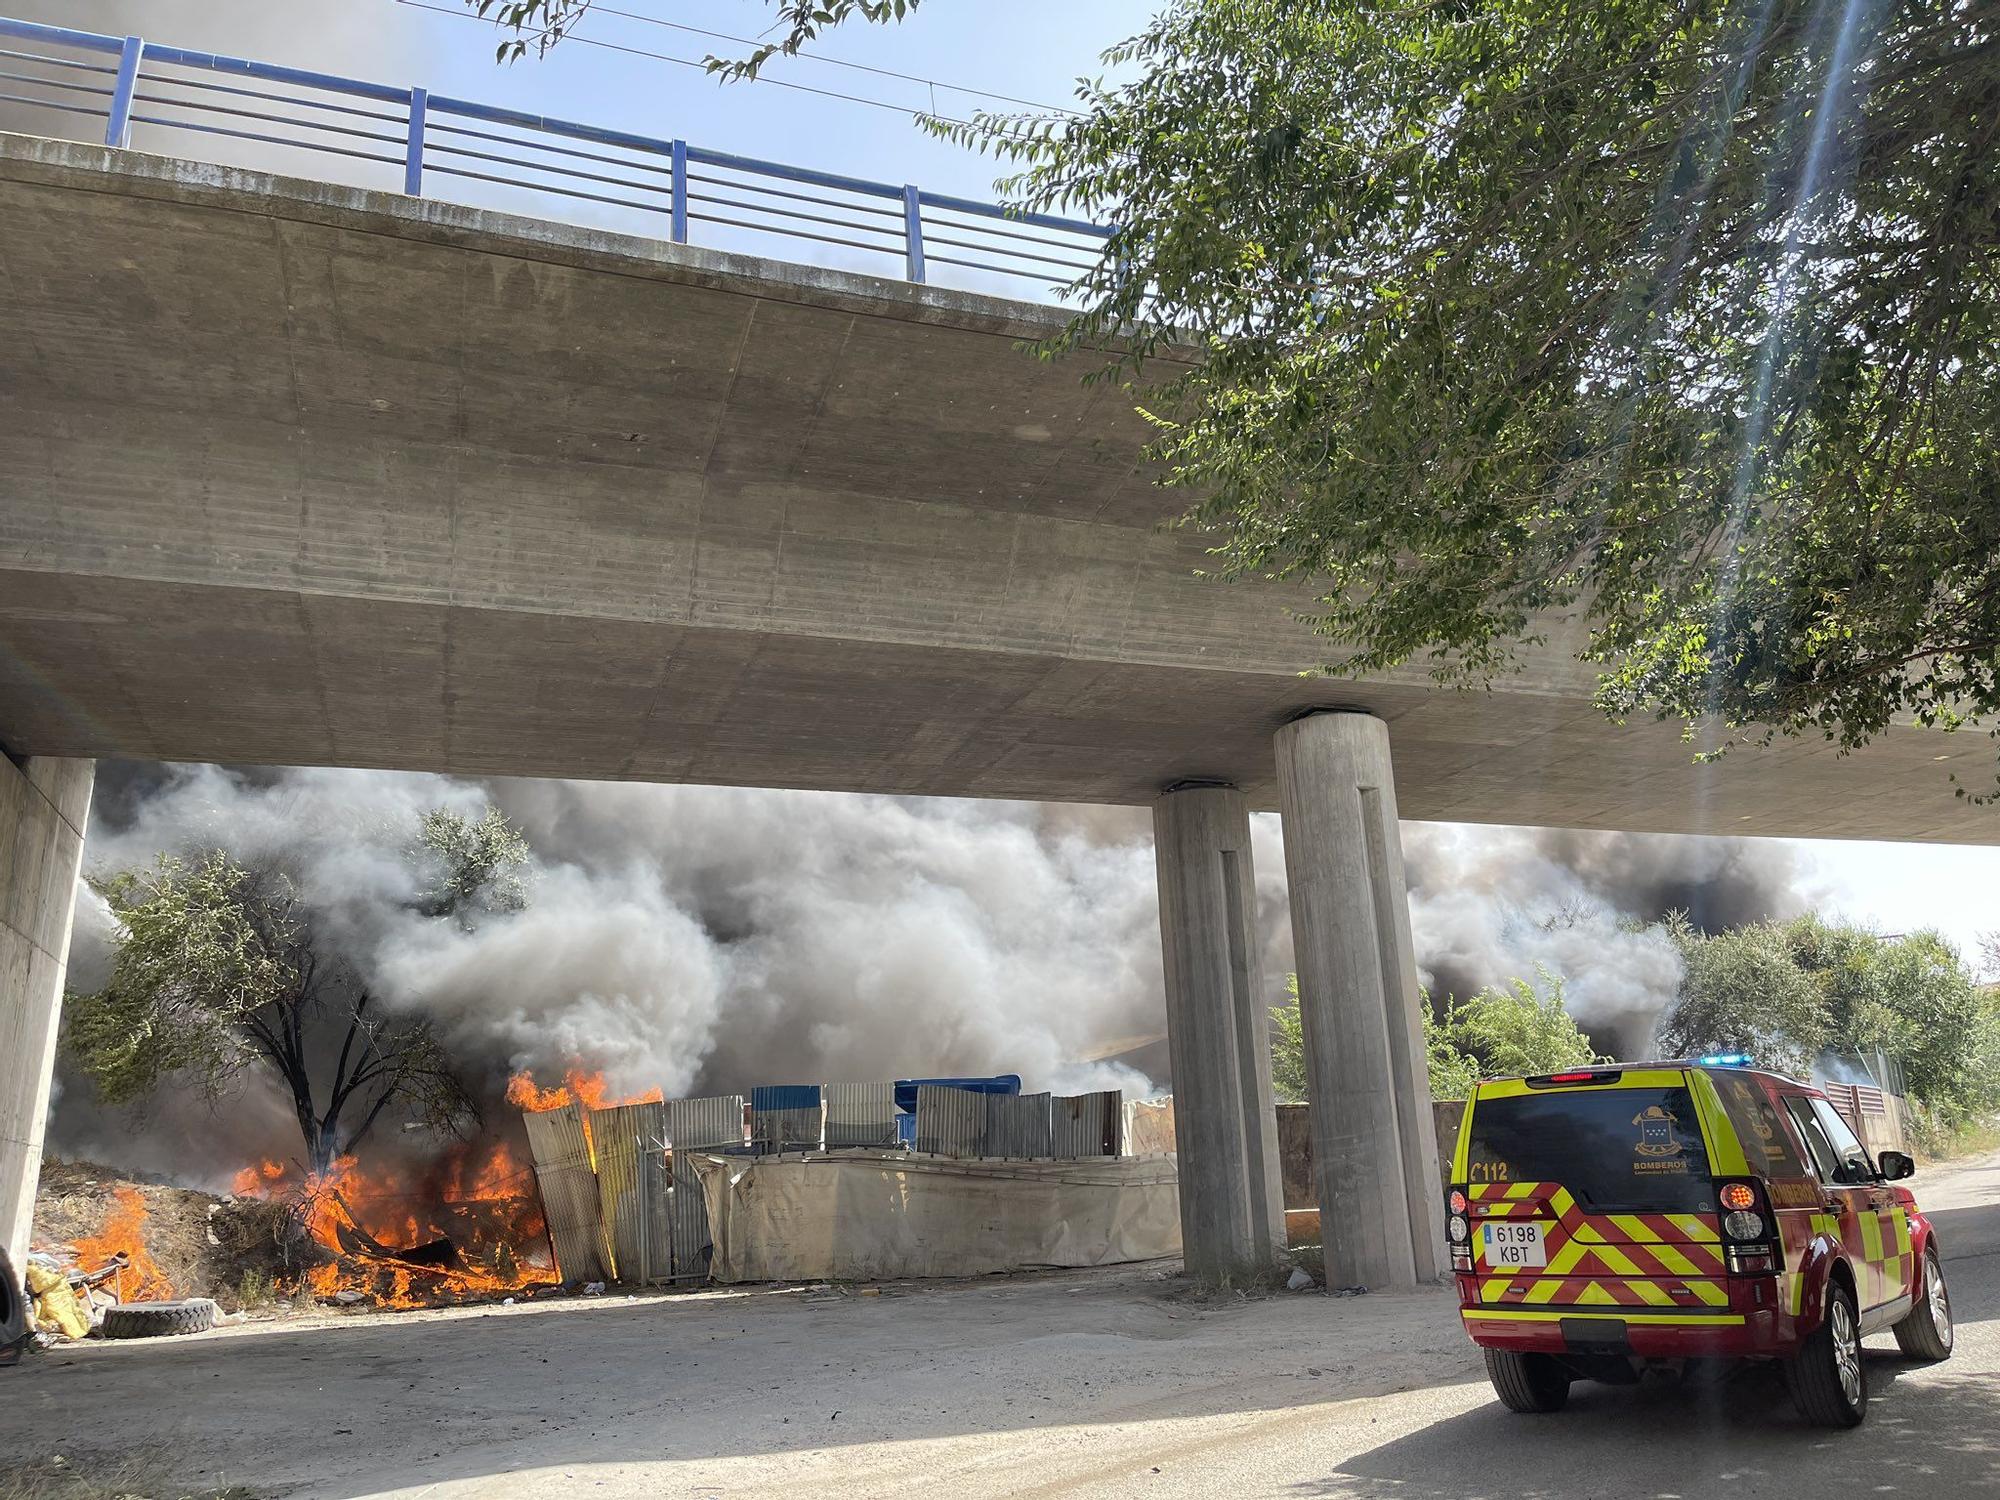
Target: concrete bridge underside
(303,474)
(300,474)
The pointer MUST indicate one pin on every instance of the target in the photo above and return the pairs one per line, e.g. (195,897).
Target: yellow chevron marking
(1617,1260)
(1871,1237)
(1590,1234)
(1522,1189)
(1635,1228)
(1562,1202)
(1564,1260)
(1651,1291)
(1901,1219)
(1594,1295)
(1495,1288)
(1544,1290)
(1694,1228)
(1709,1292)
(1672,1259)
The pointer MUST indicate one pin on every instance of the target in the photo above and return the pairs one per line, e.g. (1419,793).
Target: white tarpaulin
(878,1215)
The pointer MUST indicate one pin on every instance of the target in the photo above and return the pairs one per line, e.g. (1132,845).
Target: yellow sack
(53,1304)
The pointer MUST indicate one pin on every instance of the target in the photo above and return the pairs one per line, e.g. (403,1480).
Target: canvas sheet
(877,1216)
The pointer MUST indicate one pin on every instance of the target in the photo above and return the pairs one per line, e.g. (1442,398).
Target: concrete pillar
(1381,1208)
(44,804)
(1218,1034)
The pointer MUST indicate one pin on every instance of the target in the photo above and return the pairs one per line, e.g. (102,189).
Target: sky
(1030,49)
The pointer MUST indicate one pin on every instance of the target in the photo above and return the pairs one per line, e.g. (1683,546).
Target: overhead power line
(701,64)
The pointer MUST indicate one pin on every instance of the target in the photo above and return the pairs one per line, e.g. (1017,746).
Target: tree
(223,970)
(1664,326)
(1501,1030)
(1744,991)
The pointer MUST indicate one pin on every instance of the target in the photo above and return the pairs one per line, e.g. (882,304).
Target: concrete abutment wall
(44,805)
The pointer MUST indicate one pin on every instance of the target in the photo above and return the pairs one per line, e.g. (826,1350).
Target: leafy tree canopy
(1663,331)
(1790,993)
(223,971)
(1513,1028)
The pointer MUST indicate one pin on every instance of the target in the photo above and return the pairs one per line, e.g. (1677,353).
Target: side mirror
(1895,1165)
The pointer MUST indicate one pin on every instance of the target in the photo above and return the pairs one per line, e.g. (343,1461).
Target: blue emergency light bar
(1725,1060)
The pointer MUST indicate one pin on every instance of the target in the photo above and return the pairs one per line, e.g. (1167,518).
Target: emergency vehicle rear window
(1624,1150)
(1767,1145)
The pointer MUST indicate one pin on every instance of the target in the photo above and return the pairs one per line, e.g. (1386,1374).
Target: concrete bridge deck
(305,474)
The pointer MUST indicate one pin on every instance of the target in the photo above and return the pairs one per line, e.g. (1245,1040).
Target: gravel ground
(1109,1383)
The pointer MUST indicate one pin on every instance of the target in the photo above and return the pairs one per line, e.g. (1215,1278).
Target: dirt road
(1114,1384)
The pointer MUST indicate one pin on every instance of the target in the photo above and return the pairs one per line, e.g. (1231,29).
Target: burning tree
(223,970)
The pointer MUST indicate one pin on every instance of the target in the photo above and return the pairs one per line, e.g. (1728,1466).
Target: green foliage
(220,970)
(1505,1030)
(203,948)
(1790,992)
(474,868)
(1675,319)
(1743,991)
(1288,1048)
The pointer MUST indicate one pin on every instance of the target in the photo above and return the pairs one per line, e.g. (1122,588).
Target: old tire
(1527,1382)
(146,1320)
(1925,1331)
(13,1314)
(1828,1378)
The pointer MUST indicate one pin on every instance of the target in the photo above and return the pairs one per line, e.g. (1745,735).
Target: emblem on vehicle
(1656,1132)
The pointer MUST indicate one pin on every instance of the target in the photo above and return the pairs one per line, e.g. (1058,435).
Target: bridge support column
(1226,1132)
(1381,1208)
(44,804)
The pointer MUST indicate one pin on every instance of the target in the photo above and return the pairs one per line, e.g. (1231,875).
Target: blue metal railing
(129,82)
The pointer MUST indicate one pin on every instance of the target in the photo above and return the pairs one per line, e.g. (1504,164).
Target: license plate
(1511,1246)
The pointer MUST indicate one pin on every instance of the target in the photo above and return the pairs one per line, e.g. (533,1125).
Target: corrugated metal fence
(568,1181)
(860,1114)
(786,1117)
(632,1184)
(623,1199)
(697,1125)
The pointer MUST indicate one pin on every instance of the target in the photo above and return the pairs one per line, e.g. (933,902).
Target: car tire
(1925,1331)
(1828,1378)
(13,1314)
(145,1320)
(1527,1382)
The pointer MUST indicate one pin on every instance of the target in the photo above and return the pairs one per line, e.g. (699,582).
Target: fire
(125,1230)
(252,1182)
(587,1089)
(465,1227)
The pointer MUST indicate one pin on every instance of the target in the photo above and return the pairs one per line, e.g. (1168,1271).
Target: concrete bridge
(296,473)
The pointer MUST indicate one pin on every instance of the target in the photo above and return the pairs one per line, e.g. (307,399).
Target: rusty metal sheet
(1017,1125)
(632,1183)
(568,1182)
(860,1114)
(951,1122)
(1084,1125)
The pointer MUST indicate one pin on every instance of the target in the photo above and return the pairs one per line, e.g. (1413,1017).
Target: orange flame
(479,1199)
(125,1230)
(587,1089)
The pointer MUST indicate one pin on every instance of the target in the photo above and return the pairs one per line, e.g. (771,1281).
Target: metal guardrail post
(118,129)
(913,232)
(413,145)
(680,190)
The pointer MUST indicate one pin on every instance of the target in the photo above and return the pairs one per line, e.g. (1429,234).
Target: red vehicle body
(1613,1219)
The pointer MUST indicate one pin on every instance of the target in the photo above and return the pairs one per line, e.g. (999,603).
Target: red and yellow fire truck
(1616,1219)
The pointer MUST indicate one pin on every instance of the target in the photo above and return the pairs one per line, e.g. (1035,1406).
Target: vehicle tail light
(1458,1230)
(1751,1242)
